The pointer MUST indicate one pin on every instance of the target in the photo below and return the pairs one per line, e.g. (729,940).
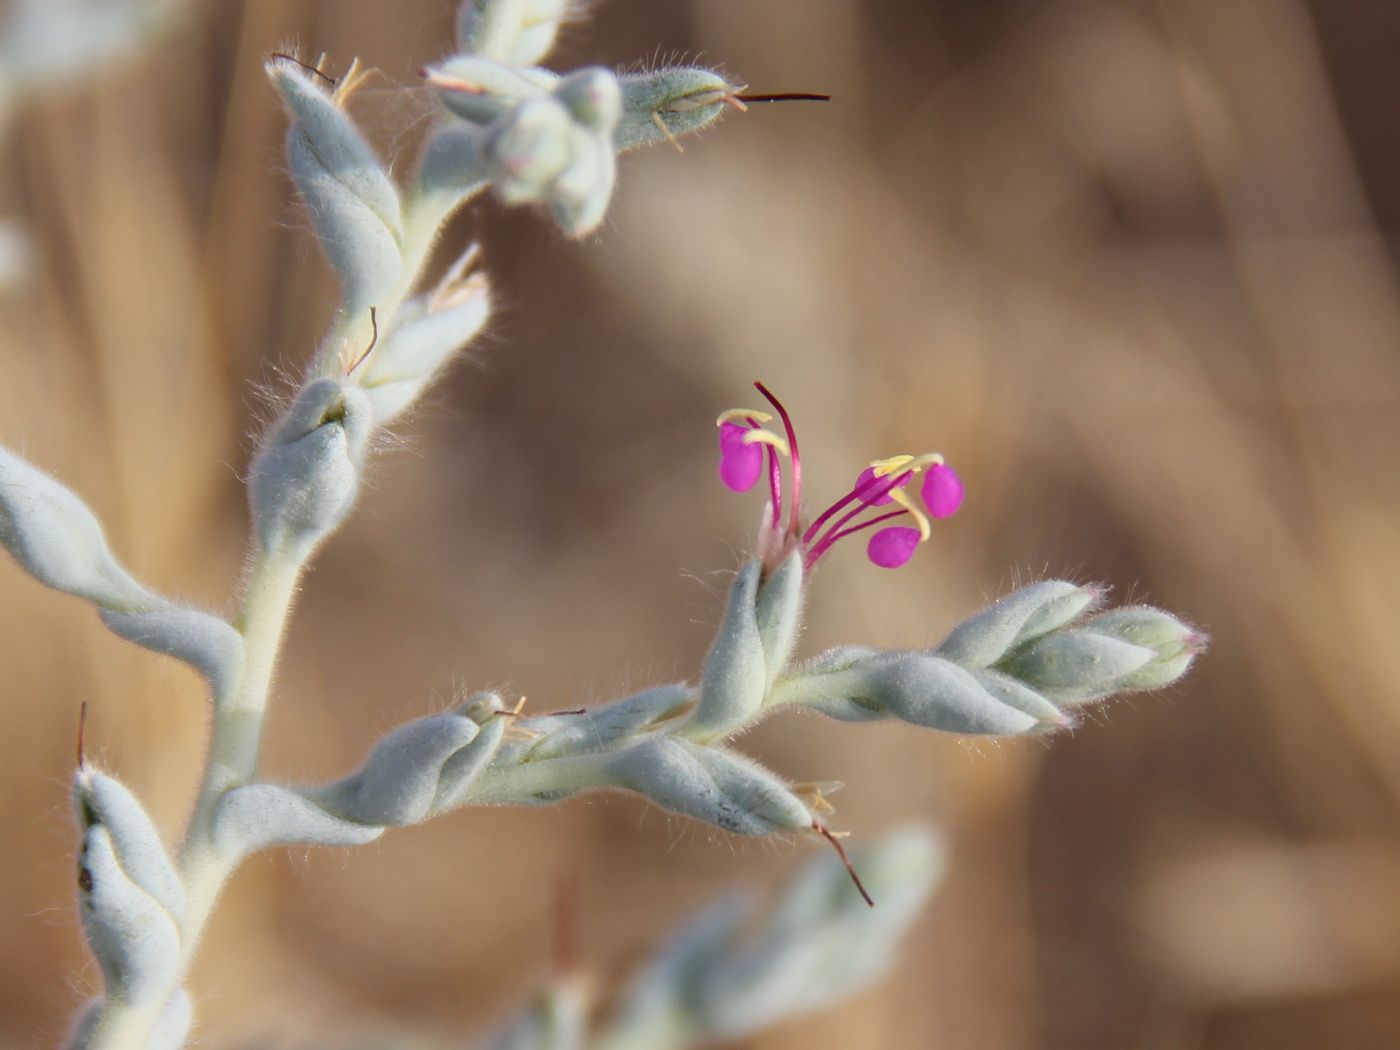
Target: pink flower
(743,440)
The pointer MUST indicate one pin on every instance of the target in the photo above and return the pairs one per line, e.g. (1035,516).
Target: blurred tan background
(1130,266)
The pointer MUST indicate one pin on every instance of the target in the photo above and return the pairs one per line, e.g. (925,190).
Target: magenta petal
(942,491)
(740,465)
(875,492)
(890,548)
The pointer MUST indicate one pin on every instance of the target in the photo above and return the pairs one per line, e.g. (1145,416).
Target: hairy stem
(231,761)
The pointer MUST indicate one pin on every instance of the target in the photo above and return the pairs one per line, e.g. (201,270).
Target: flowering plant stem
(230,761)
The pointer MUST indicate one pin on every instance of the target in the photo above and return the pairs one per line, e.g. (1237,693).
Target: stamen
(307,66)
(885,467)
(736,102)
(82,735)
(785,96)
(814,792)
(453,280)
(796,462)
(835,841)
(837,533)
(742,415)
(775,484)
(373,341)
(667,132)
(450,83)
(350,82)
(826,514)
(899,496)
(767,437)
(698,100)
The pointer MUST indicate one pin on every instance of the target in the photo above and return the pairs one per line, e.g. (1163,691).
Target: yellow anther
(883,468)
(902,498)
(767,437)
(352,79)
(814,793)
(741,415)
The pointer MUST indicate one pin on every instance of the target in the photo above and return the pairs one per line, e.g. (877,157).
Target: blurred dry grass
(1129,265)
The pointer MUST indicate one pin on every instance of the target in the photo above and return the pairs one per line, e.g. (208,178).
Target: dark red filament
(825,833)
(796,459)
(304,65)
(785,96)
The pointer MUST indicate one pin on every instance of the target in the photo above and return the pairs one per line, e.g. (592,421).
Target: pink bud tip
(890,548)
(942,491)
(875,492)
(740,464)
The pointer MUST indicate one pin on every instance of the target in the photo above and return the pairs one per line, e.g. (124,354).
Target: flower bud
(59,541)
(598,729)
(430,329)
(932,692)
(103,801)
(452,170)
(1020,616)
(735,679)
(719,787)
(481,91)
(353,203)
(657,1006)
(518,32)
(683,98)
(304,478)
(257,816)
(1077,665)
(417,770)
(461,770)
(1176,644)
(778,613)
(822,944)
(398,781)
(126,892)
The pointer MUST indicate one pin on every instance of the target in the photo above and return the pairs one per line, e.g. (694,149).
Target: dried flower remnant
(745,440)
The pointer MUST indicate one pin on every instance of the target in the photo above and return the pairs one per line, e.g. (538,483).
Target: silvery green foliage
(721,979)
(59,541)
(53,535)
(429,330)
(536,136)
(1022,666)
(129,897)
(353,203)
(753,645)
(518,32)
(712,784)
(663,104)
